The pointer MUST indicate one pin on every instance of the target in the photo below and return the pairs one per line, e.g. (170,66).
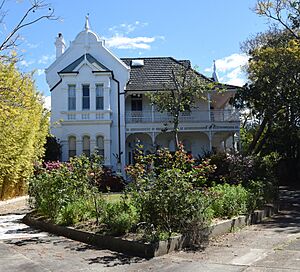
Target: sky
(198,30)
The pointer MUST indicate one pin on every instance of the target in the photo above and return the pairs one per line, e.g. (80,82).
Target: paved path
(271,246)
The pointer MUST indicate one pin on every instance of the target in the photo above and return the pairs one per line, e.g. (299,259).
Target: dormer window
(85,97)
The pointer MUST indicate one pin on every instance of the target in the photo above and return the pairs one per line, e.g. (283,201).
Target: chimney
(60,45)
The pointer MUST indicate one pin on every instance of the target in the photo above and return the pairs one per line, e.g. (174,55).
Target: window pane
(72,103)
(99,97)
(100,145)
(85,90)
(85,97)
(99,103)
(136,102)
(86,145)
(86,103)
(99,90)
(71,97)
(72,146)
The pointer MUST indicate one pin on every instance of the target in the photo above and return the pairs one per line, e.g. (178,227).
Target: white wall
(61,125)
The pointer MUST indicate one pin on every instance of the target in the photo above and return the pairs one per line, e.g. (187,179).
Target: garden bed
(142,249)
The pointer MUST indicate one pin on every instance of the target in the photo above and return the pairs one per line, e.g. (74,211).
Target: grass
(112,197)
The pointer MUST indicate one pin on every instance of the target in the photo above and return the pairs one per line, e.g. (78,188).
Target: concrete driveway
(271,246)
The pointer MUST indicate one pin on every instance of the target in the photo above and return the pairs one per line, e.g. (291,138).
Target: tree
(273,93)
(23,129)
(285,13)
(180,96)
(37,11)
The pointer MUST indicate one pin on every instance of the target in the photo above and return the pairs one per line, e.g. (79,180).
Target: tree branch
(36,5)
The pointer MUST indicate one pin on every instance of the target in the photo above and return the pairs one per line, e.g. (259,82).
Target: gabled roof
(71,67)
(156,73)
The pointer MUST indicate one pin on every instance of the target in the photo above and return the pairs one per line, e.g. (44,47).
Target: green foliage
(257,194)
(24,126)
(153,165)
(119,217)
(231,168)
(231,200)
(256,173)
(180,95)
(272,93)
(75,212)
(58,192)
(167,191)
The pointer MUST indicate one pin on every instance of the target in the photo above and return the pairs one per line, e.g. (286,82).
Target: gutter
(119,118)
(56,85)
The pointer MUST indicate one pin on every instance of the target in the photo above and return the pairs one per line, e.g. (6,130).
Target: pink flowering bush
(168,191)
(67,192)
(195,171)
(53,165)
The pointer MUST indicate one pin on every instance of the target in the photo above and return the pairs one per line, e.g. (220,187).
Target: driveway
(271,246)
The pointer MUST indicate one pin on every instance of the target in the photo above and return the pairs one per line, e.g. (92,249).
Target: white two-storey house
(100,101)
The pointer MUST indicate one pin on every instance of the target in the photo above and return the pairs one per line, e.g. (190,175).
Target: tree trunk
(263,140)
(257,136)
(176,124)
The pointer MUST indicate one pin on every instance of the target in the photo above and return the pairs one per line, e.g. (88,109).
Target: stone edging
(149,250)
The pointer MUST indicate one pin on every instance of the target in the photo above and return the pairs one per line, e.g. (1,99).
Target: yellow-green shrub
(23,129)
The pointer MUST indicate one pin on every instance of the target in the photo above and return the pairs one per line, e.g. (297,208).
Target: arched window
(72,146)
(100,145)
(187,146)
(172,146)
(86,145)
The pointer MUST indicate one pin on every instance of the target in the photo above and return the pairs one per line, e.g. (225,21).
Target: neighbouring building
(99,101)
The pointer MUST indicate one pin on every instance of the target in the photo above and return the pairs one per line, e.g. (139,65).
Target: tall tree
(273,93)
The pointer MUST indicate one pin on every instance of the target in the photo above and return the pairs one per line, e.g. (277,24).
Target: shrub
(58,187)
(110,182)
(256,190)
(231,168)
(24,126)
(231,200)
(119,217)
(167,191)
(78,211)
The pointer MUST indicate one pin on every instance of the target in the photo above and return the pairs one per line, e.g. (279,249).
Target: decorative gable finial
(215,74)
(87,23)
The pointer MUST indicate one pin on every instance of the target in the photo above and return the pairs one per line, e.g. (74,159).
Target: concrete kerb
(149,250)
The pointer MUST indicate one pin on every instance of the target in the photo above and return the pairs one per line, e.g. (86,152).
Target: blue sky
(198,30)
